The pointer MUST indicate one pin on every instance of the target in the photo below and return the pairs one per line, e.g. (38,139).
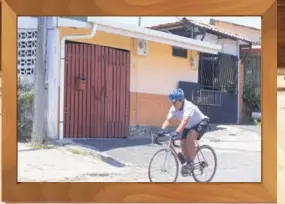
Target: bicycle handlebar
(156,137)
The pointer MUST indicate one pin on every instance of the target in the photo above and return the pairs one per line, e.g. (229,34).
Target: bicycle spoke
(204,171)
(162,165)
(166,160)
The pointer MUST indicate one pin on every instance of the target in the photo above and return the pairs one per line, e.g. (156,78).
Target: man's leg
(188,149)
(194,134)
(184,149)
(183,144)
(190,145)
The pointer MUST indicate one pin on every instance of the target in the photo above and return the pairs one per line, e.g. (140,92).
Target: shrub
(25,111)
(251,99)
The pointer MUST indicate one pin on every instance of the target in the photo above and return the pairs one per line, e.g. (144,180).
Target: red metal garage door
(97,97)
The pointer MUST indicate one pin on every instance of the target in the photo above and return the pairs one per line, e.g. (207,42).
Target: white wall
(228,46)
(27,22)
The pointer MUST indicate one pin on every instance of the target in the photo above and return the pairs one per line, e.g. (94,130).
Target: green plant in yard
(25,111)
(251,99)
(25,98)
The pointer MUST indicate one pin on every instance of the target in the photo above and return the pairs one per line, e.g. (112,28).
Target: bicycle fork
(165,164)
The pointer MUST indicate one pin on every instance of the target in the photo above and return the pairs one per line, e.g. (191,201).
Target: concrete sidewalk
(57,164)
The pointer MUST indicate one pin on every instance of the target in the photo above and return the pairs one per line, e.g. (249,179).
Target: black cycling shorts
(201,128)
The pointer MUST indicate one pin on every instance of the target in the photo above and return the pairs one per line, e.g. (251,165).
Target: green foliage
(25,98)
(25,111)
(251,99)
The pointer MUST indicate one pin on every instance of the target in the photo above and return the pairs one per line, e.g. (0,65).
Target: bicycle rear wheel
(163,161)
(203,165)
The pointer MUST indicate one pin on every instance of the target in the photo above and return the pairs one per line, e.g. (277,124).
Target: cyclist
(193,125)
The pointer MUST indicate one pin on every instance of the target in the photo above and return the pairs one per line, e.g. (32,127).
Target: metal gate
(216,93)
(97,97)
(219,106)
(218,72)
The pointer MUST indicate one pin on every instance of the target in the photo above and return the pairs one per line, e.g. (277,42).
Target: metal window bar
(207,97)
(252,67)
(218,72)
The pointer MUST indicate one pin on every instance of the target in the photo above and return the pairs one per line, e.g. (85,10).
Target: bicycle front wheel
(163,166)
(205,164)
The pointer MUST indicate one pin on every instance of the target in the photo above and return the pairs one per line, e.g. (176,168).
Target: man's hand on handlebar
(161,132)
(175,135)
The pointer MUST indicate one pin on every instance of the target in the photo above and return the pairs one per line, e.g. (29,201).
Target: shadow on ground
(104,145)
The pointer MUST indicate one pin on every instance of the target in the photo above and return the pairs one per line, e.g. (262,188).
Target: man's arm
(168,119)
(166,123)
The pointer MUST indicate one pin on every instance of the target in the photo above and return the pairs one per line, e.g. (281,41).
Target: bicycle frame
(170,145)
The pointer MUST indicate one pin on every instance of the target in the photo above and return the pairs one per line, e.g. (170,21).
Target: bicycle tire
(176,163)
(215,160)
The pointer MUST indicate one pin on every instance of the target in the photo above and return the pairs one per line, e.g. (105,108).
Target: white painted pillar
(53,55)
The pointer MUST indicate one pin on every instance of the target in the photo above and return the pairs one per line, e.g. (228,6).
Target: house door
(97,98)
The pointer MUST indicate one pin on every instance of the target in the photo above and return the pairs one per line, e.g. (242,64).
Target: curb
(88,148)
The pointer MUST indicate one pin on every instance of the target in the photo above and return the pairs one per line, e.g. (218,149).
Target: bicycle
(170,150)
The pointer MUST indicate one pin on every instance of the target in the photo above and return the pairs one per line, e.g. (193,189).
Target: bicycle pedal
(186,174)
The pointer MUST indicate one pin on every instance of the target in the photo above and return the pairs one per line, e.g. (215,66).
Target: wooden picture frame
(281,38)
(266,191)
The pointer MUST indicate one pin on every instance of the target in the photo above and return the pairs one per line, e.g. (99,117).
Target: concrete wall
(26,48)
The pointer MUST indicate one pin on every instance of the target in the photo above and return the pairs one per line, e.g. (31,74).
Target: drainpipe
(62,71)
(238,82)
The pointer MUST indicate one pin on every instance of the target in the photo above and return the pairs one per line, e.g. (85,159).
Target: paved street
(126,160)
(237,148)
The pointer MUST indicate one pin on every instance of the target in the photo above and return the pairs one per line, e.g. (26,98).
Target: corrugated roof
(232,27)
(204,26)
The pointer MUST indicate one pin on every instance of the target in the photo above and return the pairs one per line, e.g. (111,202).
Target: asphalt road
(238,153)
